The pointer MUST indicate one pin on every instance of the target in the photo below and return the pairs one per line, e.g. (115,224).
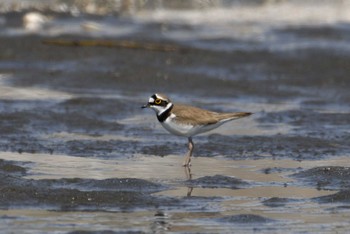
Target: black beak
(145,106)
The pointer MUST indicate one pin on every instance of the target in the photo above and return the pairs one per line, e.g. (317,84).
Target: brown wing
(194,115)
(232,116)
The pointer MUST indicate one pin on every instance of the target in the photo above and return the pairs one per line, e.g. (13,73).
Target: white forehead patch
(151,100)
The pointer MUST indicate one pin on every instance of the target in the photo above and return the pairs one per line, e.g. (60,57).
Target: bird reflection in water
(188,175)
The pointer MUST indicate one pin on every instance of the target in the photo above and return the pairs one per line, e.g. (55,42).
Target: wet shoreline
(169,194)
(79,155)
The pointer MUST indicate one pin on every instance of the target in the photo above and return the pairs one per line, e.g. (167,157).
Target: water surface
(78,154)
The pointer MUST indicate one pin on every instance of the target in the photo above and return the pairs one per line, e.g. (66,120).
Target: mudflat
(79,155)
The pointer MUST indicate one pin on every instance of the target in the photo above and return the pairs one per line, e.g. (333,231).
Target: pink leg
(187,160)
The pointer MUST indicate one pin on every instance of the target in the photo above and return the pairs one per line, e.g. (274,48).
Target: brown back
(193,115)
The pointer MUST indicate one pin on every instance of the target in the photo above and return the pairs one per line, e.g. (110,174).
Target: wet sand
(104,193)
(78,155)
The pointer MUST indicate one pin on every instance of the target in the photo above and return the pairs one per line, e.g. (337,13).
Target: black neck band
(165,114)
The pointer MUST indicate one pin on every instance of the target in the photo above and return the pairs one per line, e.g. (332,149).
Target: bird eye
(157,101)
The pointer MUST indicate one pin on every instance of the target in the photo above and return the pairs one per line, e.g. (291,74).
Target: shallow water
(203,211)
(78,154)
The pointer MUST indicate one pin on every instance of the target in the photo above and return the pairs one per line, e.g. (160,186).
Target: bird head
(158,102)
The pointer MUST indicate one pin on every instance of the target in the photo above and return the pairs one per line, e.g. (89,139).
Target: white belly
(185,129)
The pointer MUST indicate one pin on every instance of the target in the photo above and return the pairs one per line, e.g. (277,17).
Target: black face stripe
(163,103)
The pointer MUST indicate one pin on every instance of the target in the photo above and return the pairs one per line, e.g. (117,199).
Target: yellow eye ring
(157,101)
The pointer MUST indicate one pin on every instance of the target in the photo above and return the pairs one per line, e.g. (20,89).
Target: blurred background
(74,74)
(257,40)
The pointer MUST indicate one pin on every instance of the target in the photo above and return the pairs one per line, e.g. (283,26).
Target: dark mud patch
(74,121)
(163,149)
(305,118)
(82,148)
(163,145)
(339,197)
(57,118)
(11,168)
(278,146)
(71,199)
(256,147)
(336,178)
(272,170)
(96,148)
(231,146)
(320,32)
(244,219)
(278,202)
(313,72)
(217,181)
(35,127)
(101,108)
(114,184)
(78,194)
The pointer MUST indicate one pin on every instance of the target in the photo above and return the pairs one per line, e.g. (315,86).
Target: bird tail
(235,115)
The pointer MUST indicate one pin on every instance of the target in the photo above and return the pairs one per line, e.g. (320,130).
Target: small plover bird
(188,121)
